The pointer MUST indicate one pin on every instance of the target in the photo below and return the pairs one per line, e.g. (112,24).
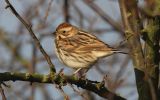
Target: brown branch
(2,93)
(80,16)
(66,11)
(32,69)
(96,87)
(48,10)
(132,25)
(29,28)
(132,31)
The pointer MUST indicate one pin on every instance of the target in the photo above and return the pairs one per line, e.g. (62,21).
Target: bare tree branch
(96,87)
(144,65)
(132,32)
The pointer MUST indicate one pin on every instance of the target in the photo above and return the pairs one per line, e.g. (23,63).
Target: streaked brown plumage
(79,49)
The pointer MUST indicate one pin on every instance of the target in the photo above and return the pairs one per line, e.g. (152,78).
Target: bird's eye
(63,31)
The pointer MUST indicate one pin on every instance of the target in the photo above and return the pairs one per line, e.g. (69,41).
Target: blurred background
(19,54)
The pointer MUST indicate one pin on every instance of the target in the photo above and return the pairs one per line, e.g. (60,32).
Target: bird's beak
(54,33)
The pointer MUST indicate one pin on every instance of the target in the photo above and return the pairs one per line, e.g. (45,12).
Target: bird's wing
(87,43)
(84,42)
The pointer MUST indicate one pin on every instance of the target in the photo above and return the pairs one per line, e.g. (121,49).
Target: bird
(79,49)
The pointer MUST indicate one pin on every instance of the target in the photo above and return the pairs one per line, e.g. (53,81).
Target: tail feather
(118,51)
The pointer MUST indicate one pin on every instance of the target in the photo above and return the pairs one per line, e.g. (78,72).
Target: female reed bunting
(79,49)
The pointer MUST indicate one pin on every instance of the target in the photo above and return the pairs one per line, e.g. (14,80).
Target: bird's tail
(118,51)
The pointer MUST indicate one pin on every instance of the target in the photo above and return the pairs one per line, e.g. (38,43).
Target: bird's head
(66,30)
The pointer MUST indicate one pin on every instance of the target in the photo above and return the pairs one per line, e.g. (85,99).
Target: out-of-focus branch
(45,92)
(78,92)
(66,10)
(29,28)
(32,69)
(2,93)
(66,97)
(33,60)
(48,10)
(81,16)
(104,16)
(96,87)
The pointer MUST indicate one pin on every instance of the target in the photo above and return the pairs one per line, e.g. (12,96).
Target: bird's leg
(77,71)
(81,73)
(84,73)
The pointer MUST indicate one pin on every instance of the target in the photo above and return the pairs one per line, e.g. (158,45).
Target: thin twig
(2,93)
(132,31)
(66,97)
(29,28)
(48,10)
(78,92)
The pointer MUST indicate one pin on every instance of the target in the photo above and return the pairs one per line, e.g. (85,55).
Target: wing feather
(91,43)
(84,42)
